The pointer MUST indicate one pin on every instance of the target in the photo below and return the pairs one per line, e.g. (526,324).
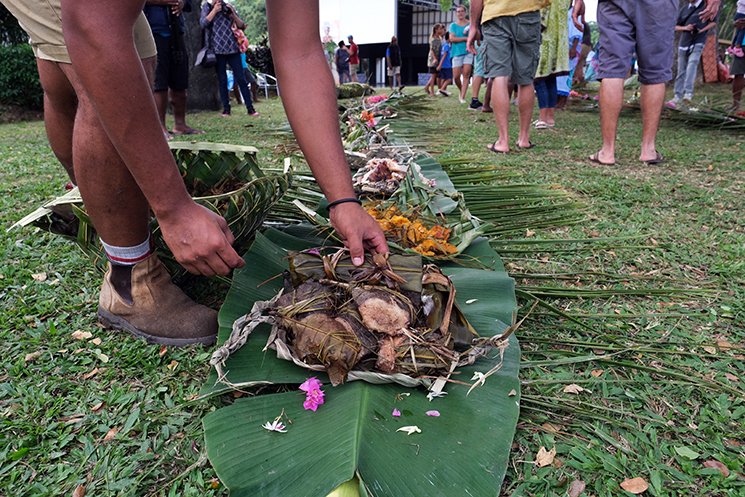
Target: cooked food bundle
(391,316)
(410,232)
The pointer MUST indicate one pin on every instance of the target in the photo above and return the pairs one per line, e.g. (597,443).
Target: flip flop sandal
(657,160)
(540,125)
(491,147)
(532,145)
(596,159)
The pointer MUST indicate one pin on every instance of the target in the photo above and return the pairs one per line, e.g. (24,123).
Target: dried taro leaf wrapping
(310,265)
(434,299)
(322,339)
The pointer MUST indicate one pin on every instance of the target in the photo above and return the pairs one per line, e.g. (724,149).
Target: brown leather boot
(159,311)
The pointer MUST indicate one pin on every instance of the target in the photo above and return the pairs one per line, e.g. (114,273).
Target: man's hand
(740,24)
(711,10)
(200,240)
(359,231)
(579,11)
(474,35)
(177,7)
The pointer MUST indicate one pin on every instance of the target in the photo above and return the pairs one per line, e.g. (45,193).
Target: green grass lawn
(663,373)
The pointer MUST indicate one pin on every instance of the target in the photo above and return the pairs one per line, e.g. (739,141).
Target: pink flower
(586,95)
(432,413)
(396,413)
(313,393)
(596,97)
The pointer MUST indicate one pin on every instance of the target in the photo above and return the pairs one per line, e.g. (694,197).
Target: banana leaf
(464,451)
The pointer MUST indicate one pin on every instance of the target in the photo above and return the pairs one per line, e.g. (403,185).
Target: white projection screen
(369,21)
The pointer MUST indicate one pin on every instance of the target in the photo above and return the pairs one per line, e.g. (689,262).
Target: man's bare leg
(611,101)
(60,107)
(487,96)
(651,101)
(500,102)
(525,101)
(737,86)
(114,202)
(178,101)
(161,102)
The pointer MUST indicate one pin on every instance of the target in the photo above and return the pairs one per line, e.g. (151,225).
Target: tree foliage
(10,31)
(253,13)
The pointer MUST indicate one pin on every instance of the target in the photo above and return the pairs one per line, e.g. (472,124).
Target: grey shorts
(512,47)
(738,66)
(648,26)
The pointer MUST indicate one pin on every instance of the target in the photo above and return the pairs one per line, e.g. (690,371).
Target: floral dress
(554,59)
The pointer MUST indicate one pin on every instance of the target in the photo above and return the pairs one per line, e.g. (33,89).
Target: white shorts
(396,70)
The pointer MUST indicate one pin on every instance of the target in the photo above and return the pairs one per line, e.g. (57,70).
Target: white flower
(477,376)
(276,425)
(432,395)
(410,429)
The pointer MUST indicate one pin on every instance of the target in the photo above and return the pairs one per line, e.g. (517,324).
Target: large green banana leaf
(464,451)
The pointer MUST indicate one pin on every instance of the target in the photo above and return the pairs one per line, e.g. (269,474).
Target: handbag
(240,36)
(206,56)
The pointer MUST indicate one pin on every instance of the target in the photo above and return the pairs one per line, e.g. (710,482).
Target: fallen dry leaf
(97,407)
(544,457)
(172,365)
(95,341)
(575,389)
(81,335)
(552,427)
(710,350)
(73,419)
(79,491)
(716,464)
(529,233)
(635,485)
(576,488)
(110,434)
(596,372)
(31,356)
(39,276)
(724,345)
(91,374)
(731,377)
(512,393)
(162,351)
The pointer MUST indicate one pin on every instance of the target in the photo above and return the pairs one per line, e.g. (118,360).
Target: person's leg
(691,69)
(651,100)
(178,102)
(161,103)
(487,97)
(466,73)
(476,87)
(457,72)
(60,107)
(501,104)
(551,90)
(680,79)
(240,79)
(611,101)
(541,94)
(525,102)
(222,82)
(737,86)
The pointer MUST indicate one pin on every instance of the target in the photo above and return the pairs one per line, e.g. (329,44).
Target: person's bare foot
(596,159)
(187,131)
(732,108)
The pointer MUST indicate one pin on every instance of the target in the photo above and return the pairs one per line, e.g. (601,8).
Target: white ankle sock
(128,256)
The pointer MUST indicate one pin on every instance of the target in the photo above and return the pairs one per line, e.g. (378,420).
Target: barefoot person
(100,100)
(172,70)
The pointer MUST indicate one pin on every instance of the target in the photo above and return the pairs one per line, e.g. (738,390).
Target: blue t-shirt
(459,31)
(446,64)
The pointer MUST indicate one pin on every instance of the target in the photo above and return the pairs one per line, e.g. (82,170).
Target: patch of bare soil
(17,114)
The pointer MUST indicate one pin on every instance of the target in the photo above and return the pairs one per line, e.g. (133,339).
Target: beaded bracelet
(344,201)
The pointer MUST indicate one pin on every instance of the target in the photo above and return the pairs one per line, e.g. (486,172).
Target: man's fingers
(356,250)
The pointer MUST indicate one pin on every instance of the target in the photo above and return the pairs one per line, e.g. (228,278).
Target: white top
(741,6)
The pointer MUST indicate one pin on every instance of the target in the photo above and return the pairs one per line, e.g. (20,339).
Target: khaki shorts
(41,19)
(512,47)
(354,68)
(396,70)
